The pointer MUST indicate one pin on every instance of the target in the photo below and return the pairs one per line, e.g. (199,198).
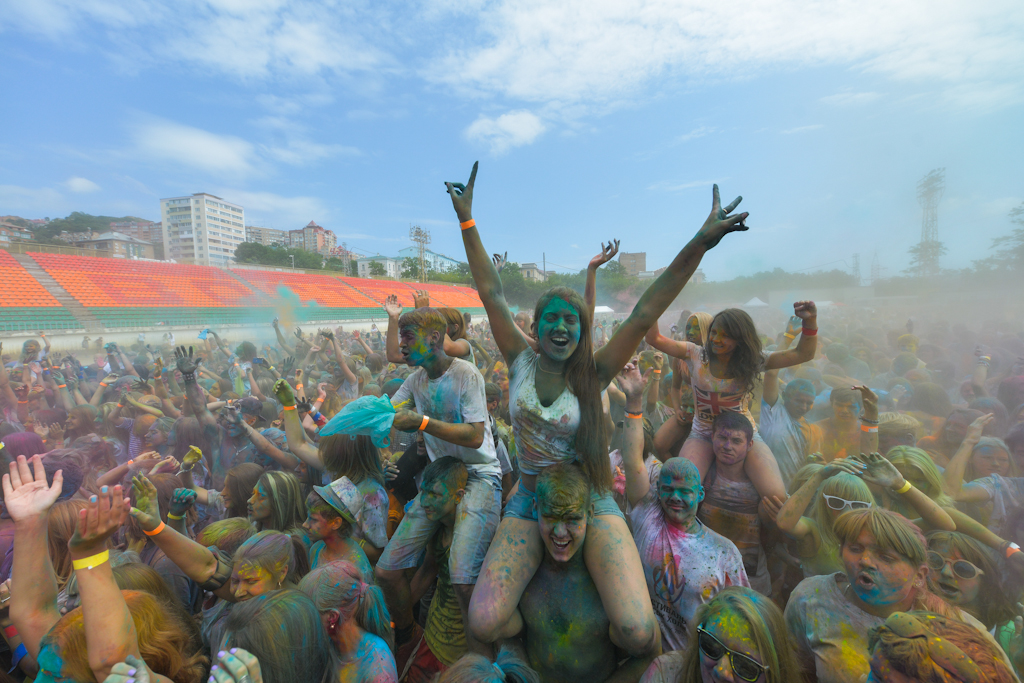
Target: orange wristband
(423,425)
(869,430)
(468,224)
(289,407)
(102,384)
(155,531)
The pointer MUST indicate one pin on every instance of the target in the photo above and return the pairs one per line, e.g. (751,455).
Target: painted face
(846,411)
(731,446)
(955,429)
(558,329)
(878,576)
(988,460)
(155,437)
(693,330)
(798,403)
(733,632)
(414,344)
(882,671)
(74,421)
(318,527)
(721,342)
(680,492)
(563,531)
(259,504)
(945,580)
(225,493)
(437,501)
(908,347)
(915,476)
(249,581)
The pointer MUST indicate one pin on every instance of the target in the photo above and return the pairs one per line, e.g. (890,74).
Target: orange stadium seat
(104,282)
(20,288)
(452,296)
(324,290)
(378,290)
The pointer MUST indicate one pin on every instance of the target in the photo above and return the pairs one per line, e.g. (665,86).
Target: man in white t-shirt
(444,399)
(685,563)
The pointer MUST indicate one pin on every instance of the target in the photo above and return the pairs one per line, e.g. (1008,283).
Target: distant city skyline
(591,119)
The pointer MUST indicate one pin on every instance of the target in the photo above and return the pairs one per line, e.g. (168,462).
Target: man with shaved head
(685,563)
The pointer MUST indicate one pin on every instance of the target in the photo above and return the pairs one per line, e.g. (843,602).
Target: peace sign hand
(462,195)
(499,261)
(719,223)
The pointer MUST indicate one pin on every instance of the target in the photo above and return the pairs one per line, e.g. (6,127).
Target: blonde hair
(909,456)
(843,485)
(704,321)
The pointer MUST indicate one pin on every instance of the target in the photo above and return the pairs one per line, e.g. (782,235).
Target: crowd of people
(531,497)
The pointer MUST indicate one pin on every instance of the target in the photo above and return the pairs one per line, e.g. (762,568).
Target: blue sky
(591,119)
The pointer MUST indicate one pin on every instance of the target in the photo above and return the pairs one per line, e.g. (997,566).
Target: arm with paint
(869,420)
(391,344)
(295,435)
(659,296)
(638,484)
(883,473)
(467,434)
(953,477)
(608,252)
(110,634)
(507,335)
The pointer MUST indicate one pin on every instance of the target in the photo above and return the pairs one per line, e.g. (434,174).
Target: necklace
(550,372)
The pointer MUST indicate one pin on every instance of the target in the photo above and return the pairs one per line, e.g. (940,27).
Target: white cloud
(513,129)
(848,99)
(802,129)
(273,210)
(166,141)
(695,133)
(299,152)
(81,185)
(604,50)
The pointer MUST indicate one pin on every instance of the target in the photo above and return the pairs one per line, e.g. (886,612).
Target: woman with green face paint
(556,412)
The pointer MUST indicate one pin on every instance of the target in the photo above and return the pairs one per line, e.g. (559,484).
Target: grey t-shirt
(456,397)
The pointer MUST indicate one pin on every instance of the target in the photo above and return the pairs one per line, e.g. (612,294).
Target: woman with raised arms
(555,405)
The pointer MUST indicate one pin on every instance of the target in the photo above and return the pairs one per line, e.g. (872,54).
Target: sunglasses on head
(742,665)
(961,568)
(840,504)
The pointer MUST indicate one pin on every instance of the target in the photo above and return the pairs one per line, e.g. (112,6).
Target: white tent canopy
(603,309)
(755,303)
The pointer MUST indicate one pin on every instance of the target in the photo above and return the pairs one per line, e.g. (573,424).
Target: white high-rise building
(202,229)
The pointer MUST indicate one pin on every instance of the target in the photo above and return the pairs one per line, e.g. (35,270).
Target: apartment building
(202,229)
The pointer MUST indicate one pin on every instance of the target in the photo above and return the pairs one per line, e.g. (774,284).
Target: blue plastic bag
(370,415)
(202,335)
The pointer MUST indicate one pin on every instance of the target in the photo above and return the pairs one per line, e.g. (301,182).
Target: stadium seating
(323,290)
(124,293)
(105,282)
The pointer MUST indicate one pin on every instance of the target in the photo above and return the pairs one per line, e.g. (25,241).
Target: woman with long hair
(356,620)
(474,668)
(738,633)
(967,574)
(277,502)
(81,421)
(829,492)
(724,372)
(233,499)
(557,416)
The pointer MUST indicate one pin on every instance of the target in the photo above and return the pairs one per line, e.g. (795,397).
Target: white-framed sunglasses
(840,504)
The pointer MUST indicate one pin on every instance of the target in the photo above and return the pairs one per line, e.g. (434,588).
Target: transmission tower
(876,269)
(855,270)
(929,194)
(421,238)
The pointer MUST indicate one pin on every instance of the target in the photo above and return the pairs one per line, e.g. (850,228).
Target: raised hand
(147,508)
(56,433)
(805,310)
(186,361)
(321,390)
(869,398)
(231,415)
(500,260)
(844,465)
(26,493)
(659,361)
(719,223)
(880,471)
(326,333)
(181,500)
(284,393)
(167,465)
(194,455)
(391,471)
(608,252)
(422,299)
(158,367)
(977,428)
(41,430)
(631,381)
(298,333)
(287,364)
(103,515)
(392,307)
(462,195)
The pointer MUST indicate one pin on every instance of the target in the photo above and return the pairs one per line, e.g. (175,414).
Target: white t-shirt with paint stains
(683,571)
(545,436)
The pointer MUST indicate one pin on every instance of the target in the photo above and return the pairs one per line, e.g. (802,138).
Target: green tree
(924,258)
(81,222)
(1009,248)
(353,268)
(377,269)
(411,268)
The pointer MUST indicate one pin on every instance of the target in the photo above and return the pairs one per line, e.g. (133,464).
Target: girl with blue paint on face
(555,405)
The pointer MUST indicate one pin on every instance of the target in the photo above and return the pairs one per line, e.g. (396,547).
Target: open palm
(26,494)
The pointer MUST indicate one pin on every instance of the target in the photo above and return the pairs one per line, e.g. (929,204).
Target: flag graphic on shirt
(708,404)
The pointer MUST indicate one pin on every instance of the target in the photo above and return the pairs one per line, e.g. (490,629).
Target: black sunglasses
(742,665)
